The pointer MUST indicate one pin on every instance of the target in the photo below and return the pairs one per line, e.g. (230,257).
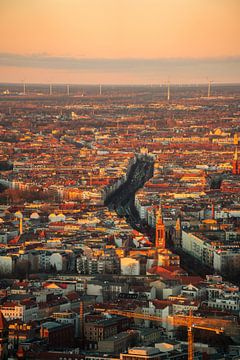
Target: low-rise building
(57,335)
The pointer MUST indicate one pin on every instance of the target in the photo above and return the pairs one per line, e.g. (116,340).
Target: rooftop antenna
(50,89)
(68,90)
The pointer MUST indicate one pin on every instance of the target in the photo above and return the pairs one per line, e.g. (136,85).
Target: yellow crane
(191,322)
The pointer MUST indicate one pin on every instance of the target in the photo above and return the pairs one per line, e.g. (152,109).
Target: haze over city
(146,41)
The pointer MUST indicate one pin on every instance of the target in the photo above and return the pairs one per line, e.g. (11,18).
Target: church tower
(160,236)
(235,164)
(235,139)
(3,338)
(178,233)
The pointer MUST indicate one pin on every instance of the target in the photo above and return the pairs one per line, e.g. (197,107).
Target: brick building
(57,335)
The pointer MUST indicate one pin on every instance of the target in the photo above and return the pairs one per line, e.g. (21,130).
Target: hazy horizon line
(150,84)
(42,68)
(117,64)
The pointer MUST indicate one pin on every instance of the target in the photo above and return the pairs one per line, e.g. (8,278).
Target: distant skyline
(120,42)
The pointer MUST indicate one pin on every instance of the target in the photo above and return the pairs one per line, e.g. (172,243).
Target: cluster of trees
(5,166)
(220,341)
(2,188)
(216,181)
(231,273)
(17,196)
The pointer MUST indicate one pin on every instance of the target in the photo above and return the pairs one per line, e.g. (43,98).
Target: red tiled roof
(63,286)
(10,304)
(161,304)
(72,296)
(21,284)
(162,272)
(14,240)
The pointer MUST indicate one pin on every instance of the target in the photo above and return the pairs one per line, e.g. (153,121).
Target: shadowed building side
(3,338)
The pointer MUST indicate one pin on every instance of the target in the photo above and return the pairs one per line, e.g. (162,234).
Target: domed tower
(3,338)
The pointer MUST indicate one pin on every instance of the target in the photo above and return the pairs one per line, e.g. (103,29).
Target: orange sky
(115,29)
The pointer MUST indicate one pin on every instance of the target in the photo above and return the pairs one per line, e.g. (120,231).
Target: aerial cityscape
(119,181)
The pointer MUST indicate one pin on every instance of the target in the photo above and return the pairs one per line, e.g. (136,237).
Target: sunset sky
(119,41)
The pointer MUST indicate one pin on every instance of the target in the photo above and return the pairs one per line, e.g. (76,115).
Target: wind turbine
(168,90)
(209,88)
(24,87)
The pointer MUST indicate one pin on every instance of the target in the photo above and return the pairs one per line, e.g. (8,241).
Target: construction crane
(191,322)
